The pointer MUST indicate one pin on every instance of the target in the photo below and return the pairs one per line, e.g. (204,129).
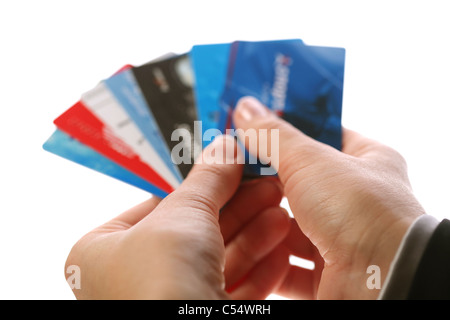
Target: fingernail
(249,108)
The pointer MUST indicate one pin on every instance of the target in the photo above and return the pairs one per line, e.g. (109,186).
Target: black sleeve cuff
(401,275)
(432,277)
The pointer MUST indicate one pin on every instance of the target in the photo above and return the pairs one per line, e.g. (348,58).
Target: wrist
(378,247)
(377,222)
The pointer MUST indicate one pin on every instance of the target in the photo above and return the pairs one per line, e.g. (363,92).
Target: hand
(174,248)
(352,207)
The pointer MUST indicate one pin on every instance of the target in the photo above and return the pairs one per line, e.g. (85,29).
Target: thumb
(212,181)
(286,148)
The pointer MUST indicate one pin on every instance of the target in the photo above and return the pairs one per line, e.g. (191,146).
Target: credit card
(80,123)
(167,86)
(125,88)
(69,148)
(303,84)
(146,125)
(103,104)
(210,65)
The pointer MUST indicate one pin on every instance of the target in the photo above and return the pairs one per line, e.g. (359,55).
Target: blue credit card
(303,84)
(210,65)
(125,88)
(65,146)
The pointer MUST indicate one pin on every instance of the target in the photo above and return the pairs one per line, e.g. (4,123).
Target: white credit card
(102,102)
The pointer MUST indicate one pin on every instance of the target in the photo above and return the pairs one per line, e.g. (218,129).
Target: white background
(396,91)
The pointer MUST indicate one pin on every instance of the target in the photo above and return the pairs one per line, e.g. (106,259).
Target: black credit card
(168,87)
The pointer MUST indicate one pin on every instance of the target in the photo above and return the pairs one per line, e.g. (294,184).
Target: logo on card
(282,65)
(160,80)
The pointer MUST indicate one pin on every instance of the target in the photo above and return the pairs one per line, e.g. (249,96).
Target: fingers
(352,142)
(255,269)
(212,181)
(285,147)
(297,284)
(251,198)
(255,241)
(357,145)
(268,275)
(298,244)
(360,146)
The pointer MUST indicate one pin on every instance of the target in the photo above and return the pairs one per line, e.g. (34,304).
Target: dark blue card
(303,84)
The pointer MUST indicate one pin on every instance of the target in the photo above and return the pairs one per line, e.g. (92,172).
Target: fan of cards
(142,124)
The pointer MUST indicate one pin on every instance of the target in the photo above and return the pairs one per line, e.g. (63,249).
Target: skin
(353,207)
(216,237)
(176,248)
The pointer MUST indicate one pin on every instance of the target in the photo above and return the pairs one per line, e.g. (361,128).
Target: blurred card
(303,84)
(104,105)
(125,88)
(146,125)
(167,86)
(69,148)
(80,123)
(210,65)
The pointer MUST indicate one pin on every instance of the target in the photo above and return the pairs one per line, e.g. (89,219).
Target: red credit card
(80,123)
